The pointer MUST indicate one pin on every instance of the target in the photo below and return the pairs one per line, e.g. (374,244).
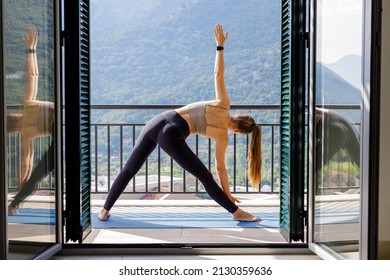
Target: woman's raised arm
(219,68)
(30,94)
(30,40)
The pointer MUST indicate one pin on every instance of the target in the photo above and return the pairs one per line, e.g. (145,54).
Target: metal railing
(112,143)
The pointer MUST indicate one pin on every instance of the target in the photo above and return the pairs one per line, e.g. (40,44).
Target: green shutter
(85,115)
(77,119)
(292,120)
(285,120)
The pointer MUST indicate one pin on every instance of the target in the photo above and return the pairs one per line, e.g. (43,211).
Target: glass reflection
(30,122)
(335,133)
(338,86)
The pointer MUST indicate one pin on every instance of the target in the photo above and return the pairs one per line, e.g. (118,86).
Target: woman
(334,132)
(37,120)
(210,119)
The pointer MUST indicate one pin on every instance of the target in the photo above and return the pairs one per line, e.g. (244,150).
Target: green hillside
(162,52)
(18,16)
(152,52)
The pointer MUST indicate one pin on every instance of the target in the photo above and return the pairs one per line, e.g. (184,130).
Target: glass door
(336,114)
(30,95)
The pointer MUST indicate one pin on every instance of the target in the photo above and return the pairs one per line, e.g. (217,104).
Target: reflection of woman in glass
(334,132)
(37,120)
(210,119)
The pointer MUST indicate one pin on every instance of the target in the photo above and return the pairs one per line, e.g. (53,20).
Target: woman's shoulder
(214,102)
(218,104)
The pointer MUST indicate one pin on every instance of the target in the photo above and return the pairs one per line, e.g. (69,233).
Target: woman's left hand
(31,38)
(220,37)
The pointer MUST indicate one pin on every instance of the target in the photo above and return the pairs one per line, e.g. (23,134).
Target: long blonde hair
(246,125)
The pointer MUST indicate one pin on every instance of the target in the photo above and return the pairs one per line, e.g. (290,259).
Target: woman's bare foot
(242,216)
(12,211)
(104,214)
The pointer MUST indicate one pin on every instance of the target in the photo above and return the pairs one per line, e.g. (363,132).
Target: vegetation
(162,52)
(18,16)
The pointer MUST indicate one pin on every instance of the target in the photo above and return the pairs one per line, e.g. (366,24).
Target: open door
(77,119)
(30,129)
(292,123)
(343,146)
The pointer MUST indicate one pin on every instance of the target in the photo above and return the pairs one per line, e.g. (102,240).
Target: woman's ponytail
(255,158)
(246,125)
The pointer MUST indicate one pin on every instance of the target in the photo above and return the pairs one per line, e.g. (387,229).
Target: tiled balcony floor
(265,237)
(184,235)
(206,235)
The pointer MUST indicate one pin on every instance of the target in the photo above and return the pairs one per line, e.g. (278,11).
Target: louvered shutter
(292,125)
(77,119)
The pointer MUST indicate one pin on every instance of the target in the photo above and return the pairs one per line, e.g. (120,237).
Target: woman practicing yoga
(335,132)
(207,118)
(36,120)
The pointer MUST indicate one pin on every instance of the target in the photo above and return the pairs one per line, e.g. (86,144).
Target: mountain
(331,88)
(349,68)
(162,52)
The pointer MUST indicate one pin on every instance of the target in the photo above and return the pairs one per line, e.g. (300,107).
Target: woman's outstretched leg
(143,148)
(173,143)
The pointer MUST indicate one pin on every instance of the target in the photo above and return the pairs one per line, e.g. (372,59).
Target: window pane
(338,116)
(29,92)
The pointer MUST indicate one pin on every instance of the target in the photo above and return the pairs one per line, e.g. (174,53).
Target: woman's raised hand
(220,37)
(31,38)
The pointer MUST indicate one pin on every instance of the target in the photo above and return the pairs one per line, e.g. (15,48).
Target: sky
(340,29)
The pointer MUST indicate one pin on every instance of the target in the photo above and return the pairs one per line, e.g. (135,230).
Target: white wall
(384,171)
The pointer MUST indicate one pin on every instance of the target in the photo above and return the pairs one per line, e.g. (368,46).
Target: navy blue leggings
(333,134)
(169,130)
(43,168)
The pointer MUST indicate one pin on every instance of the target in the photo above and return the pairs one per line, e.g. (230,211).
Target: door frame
(56,246)
(369,149)
(371,131)
(3,190)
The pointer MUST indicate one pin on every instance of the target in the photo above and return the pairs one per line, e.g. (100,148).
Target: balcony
(162,188)
(112,142)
